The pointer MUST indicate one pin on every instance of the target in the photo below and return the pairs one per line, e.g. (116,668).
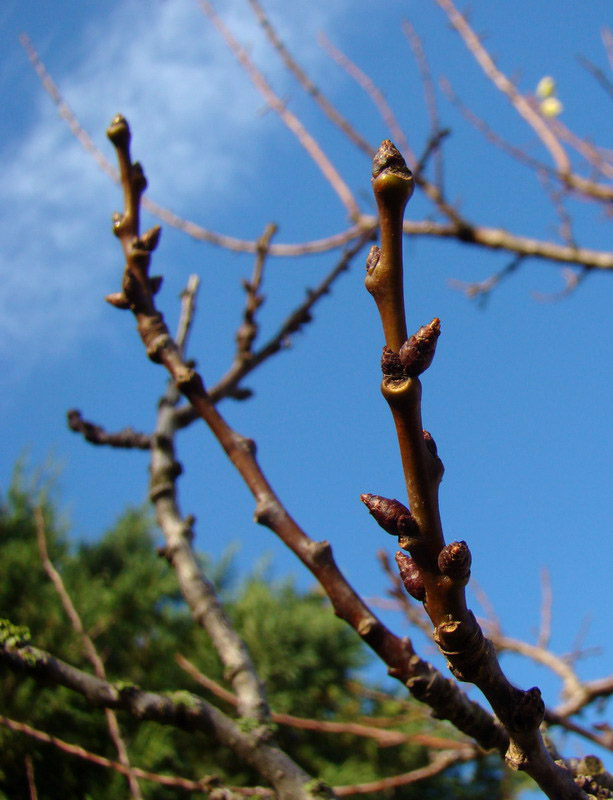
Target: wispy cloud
(165,68)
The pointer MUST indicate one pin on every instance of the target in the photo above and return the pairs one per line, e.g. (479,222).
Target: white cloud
(164,67)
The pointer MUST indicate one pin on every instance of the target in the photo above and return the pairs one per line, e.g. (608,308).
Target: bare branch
(292,122)
(423,681)
(202,785)
(439,764)
(180,709)
(307,84)
(88,646)
(374,93)
(127,438)
(437,573)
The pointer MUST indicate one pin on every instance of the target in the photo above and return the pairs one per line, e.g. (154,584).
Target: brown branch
(438,573)
(307,84)
(88,647)
(127,438)
(504,85)
(429,93)
(31,777)
(291,121)
(179,709)
(524,108)
(438,764)
(384,738)
(481,290)
(374,93)
(202,785)
(423,681)
(198,591)
(248,331)
(229,384)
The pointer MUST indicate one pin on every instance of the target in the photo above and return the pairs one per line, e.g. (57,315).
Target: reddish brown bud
(432,449)
(151,238)
(390,364)
(410,576)
(391,515)
(454,560)
(388,157)
(155,283)
(416,353)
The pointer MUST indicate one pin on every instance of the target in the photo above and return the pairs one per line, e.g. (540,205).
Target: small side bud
(411,577)
(372,259)
(416,353)
(118,299)
(392,516)
(432,449)
(119,132)
(155,283)
(137,176)
(454,560)
(151,238)
(390,364)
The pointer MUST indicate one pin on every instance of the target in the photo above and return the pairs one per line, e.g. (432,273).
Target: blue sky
(519,396)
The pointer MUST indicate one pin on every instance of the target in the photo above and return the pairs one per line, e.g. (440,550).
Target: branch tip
(119,132)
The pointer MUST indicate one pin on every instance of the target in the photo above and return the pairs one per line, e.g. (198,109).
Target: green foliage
(130,604)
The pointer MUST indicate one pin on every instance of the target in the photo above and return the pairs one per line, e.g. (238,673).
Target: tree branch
(438,573)
(88,646)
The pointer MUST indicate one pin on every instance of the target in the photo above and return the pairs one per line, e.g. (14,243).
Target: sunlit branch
(374,93)
(307,84)
(291,121)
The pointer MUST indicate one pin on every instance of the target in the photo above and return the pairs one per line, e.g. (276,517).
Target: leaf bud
(372,259)
(119,131)
(416,353)
(392,516)
(454,560)
(411,577)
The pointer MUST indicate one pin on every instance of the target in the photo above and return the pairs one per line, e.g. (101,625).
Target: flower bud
(454,560)
(392,516)
(410,576)
(416,353)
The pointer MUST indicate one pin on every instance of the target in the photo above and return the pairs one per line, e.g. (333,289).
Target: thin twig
(291,121)
(127,438)
(202,785)
(88,647)
(524,108)
(429,94)
(383,737)
(439,764)
(248,331)
(500,80)
(307,84)
(544,636)
(373,92)
(31,778)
